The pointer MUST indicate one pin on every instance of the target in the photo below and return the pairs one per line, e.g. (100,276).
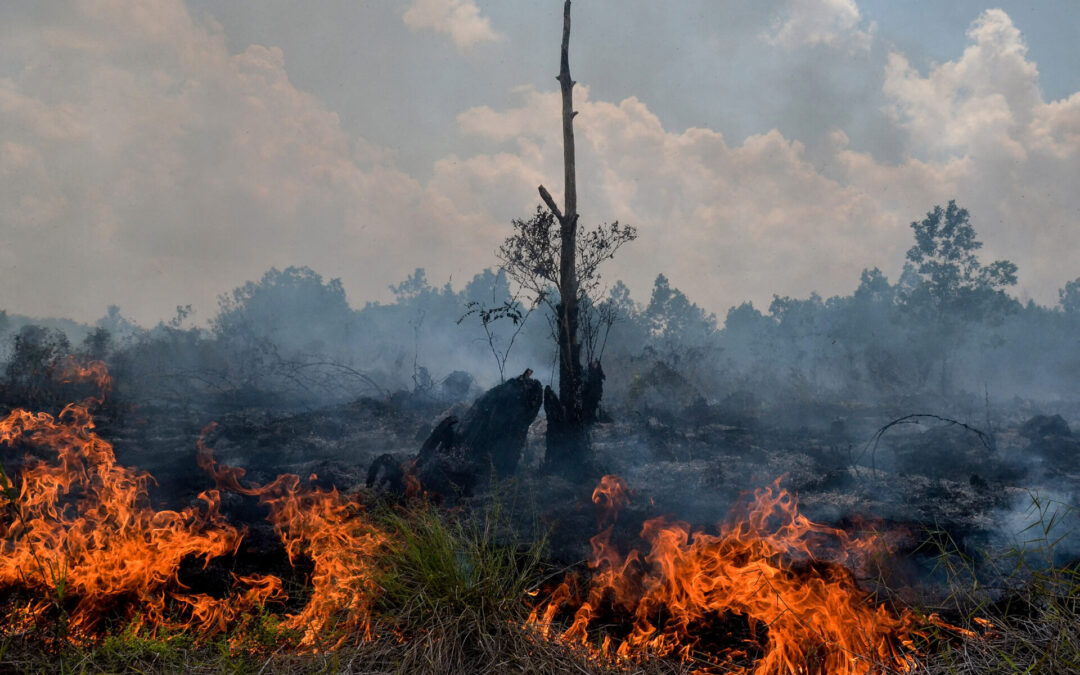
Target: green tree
(1069,297)
(951,280)
(293,309)
(273,331)
(37,355)
(675,323)
(945,286)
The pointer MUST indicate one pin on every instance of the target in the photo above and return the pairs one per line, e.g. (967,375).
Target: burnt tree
(550,257)
(567,440)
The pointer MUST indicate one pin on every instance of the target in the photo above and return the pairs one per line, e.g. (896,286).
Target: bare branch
(546,196)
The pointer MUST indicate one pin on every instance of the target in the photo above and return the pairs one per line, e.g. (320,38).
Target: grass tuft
(1018,612)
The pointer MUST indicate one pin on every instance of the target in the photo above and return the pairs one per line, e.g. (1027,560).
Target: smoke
(695,410)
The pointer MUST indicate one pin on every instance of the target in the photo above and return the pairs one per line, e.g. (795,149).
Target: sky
(156,153)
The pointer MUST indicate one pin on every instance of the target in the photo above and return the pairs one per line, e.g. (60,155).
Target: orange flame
(79,531)
(610,496)
(788,577)
(79,535)
(79,525)
(329,529)
(413,489)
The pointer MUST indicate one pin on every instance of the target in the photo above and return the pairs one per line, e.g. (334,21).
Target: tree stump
(490,437)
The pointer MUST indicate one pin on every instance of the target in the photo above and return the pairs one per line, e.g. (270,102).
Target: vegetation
(456,587)
(1023,616)
(455,600)
(945,333)
(949,285)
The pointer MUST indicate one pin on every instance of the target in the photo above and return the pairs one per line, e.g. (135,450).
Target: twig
(872,444)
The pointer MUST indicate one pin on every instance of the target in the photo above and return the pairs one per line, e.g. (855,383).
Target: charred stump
(490,437)
(386,473)
(494,430)
(441,439)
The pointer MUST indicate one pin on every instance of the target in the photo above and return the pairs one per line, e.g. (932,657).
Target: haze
(160,153)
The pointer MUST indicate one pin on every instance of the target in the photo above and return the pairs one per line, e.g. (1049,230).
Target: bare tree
(542,257)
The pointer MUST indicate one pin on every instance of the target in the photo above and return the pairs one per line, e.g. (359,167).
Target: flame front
(81,541)
(788,578)
(332,531)
(79,531)
(79,526)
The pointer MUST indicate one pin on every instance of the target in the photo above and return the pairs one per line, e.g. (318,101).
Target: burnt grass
(693,465)
(930,489)
(934,475)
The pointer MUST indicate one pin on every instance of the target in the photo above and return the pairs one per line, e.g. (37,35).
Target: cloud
(724,221)
(983,102)
(460,19)
(730,221)
(1020,154)
(152,167)
(833,23)
(142,162)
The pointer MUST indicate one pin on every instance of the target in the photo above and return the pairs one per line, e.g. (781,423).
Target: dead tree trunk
(567,441)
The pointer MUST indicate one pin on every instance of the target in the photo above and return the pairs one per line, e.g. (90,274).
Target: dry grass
(447,642)
(454,601)
(1033,628)
(1021,608)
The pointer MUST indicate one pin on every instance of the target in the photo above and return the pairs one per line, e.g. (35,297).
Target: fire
(787,579)
(79,526)
(610,496)
(79,535)
(82,542)
(331,531)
